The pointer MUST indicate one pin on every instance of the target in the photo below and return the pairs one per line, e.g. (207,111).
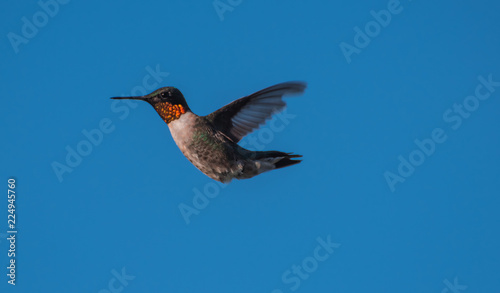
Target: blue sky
(399,186)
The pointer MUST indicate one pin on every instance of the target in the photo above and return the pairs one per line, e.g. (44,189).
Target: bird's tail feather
(279,159)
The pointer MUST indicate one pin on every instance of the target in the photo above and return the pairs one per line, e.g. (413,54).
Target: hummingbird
(210,142)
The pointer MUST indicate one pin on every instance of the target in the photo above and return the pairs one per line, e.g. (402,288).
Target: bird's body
(210,142)
(205,148)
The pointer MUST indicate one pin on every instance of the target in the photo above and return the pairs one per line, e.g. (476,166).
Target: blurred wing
(244,115)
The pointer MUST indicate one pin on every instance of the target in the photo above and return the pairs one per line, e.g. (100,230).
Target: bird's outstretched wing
(246,114)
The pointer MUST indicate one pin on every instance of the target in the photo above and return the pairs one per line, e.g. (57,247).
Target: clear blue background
(119,207)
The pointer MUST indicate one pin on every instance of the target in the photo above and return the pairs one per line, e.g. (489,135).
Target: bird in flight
(210,142)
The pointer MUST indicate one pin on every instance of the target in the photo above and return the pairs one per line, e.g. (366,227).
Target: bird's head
(168,102)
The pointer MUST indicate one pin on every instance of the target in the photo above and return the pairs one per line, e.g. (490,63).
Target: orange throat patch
(169,112)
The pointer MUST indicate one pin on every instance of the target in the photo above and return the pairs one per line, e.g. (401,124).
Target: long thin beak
(143,98)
